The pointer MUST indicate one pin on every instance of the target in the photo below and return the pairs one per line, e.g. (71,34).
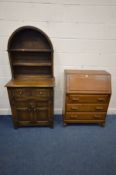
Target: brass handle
(96,116)
(74,108)
(32,105)
(40,93)
(99,108)
(74,116)
(75,99)
(19,92)
(30,109)
(101,99)
(37,110)
(34,109)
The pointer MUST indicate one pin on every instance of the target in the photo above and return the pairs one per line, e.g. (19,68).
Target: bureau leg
(102,124)
(51,125)
(15,126)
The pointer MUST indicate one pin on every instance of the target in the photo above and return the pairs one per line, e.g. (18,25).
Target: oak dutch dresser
(31,89)
(86,96)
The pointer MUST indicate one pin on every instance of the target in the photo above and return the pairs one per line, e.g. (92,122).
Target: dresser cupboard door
(42,112)
(32,111)
(24,115)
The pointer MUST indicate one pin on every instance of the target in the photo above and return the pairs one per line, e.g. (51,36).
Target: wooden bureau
(86,96)
(31,89)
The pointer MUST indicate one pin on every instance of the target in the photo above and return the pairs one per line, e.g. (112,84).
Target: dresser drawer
(86,107)
(84,116)
(31,92)
(41,92)
(30,104)
(87,98)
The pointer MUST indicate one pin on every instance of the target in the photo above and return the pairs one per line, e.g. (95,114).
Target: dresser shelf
(31,64)
(30,50)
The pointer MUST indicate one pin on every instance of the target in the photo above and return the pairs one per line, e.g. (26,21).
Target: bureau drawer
(86,107)
(87,98)
(31,92)
(84,116)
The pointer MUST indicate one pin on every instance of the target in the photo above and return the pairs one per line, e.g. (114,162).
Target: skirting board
(7,111)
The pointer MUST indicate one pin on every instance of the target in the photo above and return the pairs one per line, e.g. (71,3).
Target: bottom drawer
(84,116)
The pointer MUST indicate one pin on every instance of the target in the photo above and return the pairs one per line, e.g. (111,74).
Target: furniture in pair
(31,89)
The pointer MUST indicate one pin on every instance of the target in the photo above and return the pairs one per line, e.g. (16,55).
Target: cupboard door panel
(41,114)
(24,115)
(42,111)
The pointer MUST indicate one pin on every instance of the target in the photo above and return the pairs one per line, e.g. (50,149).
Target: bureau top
(93,72)
(87,81)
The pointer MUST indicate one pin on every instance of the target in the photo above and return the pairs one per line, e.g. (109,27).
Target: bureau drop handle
(75,99)
(99,108)
(101,100)
(74,108)
(96,117)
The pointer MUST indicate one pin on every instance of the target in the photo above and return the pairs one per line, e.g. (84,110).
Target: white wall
(83,33)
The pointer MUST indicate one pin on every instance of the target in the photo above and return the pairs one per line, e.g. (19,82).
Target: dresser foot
(15,126)
(64,124)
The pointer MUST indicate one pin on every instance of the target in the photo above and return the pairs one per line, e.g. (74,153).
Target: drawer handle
(33,110)
(74,108)
(96,116)
(37,110)
(30,109)
(31,105)
(99,108)
(101,99)
(40,93)
(74,116)
(19,92)
(75,99)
